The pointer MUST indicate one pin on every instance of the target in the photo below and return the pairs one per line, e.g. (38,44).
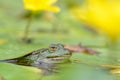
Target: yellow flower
(41,5)
(103,15)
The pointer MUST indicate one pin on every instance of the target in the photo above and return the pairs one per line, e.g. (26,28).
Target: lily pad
(16,72)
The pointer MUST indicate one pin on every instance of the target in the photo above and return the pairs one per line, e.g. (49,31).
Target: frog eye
(53,47)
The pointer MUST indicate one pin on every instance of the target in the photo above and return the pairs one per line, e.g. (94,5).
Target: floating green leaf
(16,72)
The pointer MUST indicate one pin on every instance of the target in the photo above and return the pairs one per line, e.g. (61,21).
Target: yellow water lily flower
(103,15)
(41,5)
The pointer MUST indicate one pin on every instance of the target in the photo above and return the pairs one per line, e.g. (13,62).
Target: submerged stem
(26,32)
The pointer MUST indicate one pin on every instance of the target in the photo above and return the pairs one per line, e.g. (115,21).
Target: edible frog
(46,58)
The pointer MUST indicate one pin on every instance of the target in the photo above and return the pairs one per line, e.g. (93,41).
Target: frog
(45,59)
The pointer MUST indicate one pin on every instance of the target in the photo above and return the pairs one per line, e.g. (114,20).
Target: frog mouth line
(57,56)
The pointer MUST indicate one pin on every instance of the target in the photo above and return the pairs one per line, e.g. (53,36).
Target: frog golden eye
(53,47)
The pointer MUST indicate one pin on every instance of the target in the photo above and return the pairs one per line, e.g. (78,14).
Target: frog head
(58,50)
(56,53)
